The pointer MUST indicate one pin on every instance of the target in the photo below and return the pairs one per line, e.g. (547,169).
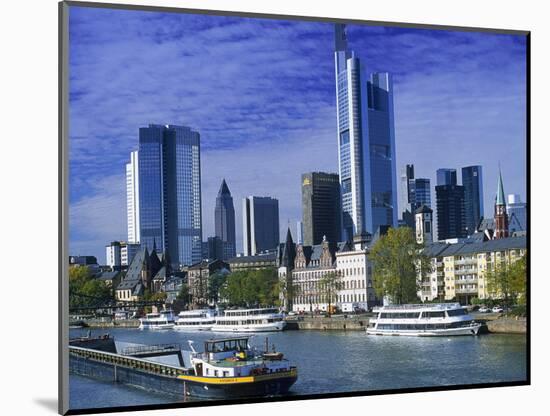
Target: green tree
(287,292)
(251,288)
(85,290)
(507,281)
(329,284)
(398,262)
(215,283)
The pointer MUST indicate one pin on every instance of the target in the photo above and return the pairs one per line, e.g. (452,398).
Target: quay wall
(110,323)
(339,323)
(132,376)
(508,326)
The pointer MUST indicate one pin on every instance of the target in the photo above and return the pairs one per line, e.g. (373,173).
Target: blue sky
(261,93)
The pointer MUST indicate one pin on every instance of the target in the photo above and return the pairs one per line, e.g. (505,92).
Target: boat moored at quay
(250,320)
(161,320)
(196,320)
(443,319)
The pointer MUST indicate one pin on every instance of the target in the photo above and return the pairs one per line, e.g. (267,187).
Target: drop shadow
(47,403)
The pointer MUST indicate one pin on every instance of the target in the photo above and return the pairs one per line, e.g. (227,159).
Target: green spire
(500,191)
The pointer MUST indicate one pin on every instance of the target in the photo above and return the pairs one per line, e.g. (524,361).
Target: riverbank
(495,323)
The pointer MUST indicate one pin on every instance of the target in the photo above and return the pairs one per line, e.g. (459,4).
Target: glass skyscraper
(170,192)
(260,224)
(419,193)
(132,198)
(472,181)
(366,143)
(446,176)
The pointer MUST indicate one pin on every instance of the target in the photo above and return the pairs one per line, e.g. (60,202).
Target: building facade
(446,176)
(459,270)
(407,173)
(320,207)
(366,143)
(472,181)
(132,198)
(170,192)
(450,211)
(224,222)
(260,224)
(517,214)
(198,278)
(424,225)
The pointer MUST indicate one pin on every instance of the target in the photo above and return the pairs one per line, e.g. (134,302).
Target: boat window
(433,314)
(456,312)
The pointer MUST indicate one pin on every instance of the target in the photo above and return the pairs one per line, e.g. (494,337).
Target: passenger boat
(444,319)
(230,368)
(161,320)
(196,320)
(250,320)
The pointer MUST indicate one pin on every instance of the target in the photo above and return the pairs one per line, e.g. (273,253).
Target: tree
(215,283)
(287,292)
(251,288)
(329,284)
(507,281)
(398,262)
(85,290)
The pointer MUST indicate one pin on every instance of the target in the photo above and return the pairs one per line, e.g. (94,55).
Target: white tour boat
(443,319)
(250,320)
(160,320)
(196,320)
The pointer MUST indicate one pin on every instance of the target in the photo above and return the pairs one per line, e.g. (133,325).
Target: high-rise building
(517,214)
(170,192)
(407,173)
(112,254)
(501,216)
(260,224)
(446,177)
(120,253)
(419,193)
(320,207)
(224,222)
(132,197)
(299,232)
(450,211)
(366,143)
(472,180)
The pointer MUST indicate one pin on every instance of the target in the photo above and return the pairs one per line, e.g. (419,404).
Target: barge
(228,368)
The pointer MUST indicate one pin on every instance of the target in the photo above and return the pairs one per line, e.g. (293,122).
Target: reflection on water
(330,362)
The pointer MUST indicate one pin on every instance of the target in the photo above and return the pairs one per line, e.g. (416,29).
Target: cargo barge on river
(228,368)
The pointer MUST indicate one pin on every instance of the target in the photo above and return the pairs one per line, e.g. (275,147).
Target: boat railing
(145,349)
(441,306)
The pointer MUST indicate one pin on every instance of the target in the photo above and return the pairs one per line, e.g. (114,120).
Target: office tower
(224,222)
(501,216)
(419,193)
(517,214)
(260,224)
(450,211)
(112,255)
(472,181)
(170,192)
(366,143)
(132,197)
(320,207)
(424,224)
(407,173)
(446,177)
(299,232)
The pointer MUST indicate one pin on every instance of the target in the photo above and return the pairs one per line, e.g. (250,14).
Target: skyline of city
(320,156)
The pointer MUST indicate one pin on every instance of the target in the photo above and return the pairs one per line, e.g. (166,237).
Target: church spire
(501,216)
(500,200)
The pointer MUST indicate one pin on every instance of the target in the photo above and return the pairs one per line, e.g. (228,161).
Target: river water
(336,361)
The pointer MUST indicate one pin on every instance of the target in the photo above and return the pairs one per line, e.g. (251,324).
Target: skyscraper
(419,193)
(450,206)
(472,180)
(299,232)
(517,213)
(407,173)
(132,197)
(446,176)
(260,224)
(170,192)
(320,207)
(224,221)
(366,143)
